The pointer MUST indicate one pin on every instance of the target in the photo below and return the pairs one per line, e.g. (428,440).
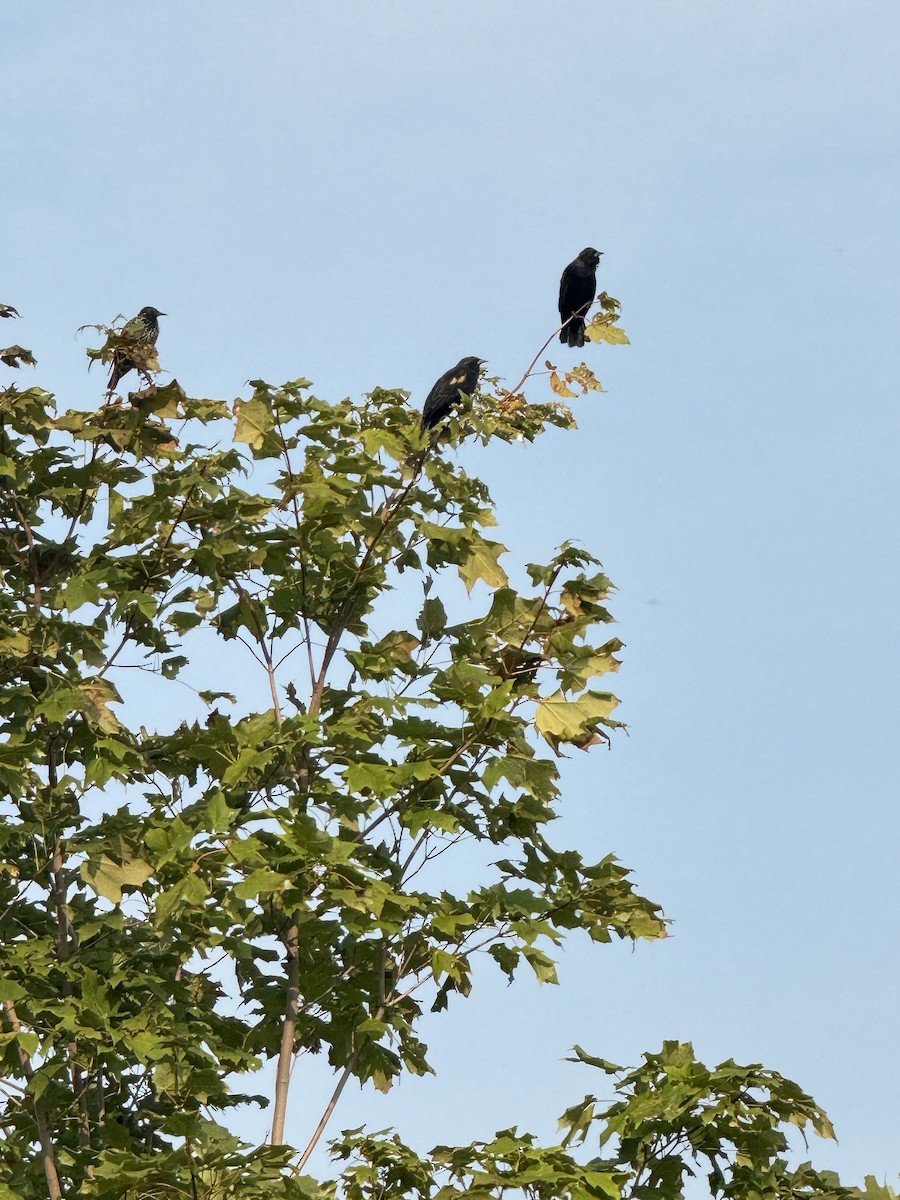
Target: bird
(461,379)
(576,294)
(142,330)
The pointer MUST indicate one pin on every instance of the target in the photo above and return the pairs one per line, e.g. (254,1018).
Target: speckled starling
(461,379)
(142,330)
(577,289)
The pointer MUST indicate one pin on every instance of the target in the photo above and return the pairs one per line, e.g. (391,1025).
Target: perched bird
(461,379)
(576,294)
(142,330)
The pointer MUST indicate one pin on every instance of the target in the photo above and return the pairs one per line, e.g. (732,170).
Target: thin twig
(337,633)
(332,1103)
(513,390)
(307,637)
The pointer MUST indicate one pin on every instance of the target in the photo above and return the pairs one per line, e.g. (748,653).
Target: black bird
(461,379)
(577,289)
(142,330)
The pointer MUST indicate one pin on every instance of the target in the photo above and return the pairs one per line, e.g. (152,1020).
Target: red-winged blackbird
(576,295)
(463,378)
(143,330)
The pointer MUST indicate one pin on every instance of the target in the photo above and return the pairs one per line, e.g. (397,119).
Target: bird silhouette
(576,294)
(459,380)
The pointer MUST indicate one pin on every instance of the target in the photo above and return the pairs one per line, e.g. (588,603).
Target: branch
(265,650)
(334,638)
(445,766)
(288,1033)
(307,637)
(514,390)
(332,1103)
(48,1157)
(162,547)
(63,948)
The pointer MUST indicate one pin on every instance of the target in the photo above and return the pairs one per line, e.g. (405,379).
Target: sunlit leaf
(600,330)
(562,720)
(583,375)
(109,878)
(483,564)
(560,388)
(254,419)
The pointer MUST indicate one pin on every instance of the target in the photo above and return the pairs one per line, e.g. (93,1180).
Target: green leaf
(109,878)
(543,967)
(254,420)
(10,990)
(483,564)
(15,644)
(260,883)
(591,1060)
(187,892)
(432,621)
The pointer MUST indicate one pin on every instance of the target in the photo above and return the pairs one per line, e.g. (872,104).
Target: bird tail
(121,365)
(572,333)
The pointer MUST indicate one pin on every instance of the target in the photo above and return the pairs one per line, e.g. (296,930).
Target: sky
(362,194)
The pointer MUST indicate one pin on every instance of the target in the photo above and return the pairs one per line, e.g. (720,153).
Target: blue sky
(362,194)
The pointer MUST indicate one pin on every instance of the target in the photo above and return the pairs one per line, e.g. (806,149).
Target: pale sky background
(362,193)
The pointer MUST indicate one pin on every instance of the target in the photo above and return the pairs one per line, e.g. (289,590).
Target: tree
(178,905)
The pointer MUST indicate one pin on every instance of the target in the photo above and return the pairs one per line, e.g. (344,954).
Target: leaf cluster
(675,1126)
(163,891)
(316,871)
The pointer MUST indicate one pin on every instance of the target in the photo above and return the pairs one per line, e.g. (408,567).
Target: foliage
(237,884)
(673,1120)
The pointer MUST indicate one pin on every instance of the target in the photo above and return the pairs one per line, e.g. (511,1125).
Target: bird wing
(565,284)
(135,328)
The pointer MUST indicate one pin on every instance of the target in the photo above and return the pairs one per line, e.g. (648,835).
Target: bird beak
(162,314)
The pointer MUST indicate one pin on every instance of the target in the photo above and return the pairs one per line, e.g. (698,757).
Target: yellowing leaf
(96,695)
(601,662)
(562,720)
(400,644)
(108,878)
(600,330)
(560,388)
(585,376)
(16,644)
(592,739)
(15,356)
(511,405)
(254,419)
(483,564)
